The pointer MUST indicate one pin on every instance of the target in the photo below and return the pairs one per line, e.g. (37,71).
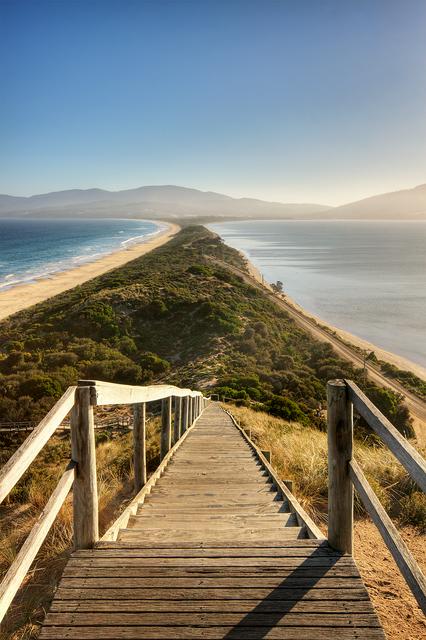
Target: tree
(277,287)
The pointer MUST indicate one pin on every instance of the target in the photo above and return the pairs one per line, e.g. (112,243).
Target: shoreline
(387,356)
(23,296)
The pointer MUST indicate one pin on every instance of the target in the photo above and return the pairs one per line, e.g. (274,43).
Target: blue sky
(291,100)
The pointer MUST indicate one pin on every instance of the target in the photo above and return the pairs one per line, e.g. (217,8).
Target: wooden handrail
(396,545)
(407,455)
(345,473)
(19,567)
(104,393)
(81,472)
(302,517)
(16,466)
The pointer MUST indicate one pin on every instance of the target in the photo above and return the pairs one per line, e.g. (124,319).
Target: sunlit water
(368,278)
(31,249)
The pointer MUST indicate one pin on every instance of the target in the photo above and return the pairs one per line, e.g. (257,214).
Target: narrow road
(416,406)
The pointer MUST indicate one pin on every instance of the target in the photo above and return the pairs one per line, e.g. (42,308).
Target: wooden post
(340,488)
(267,455)
(166,426)
(191,410)
(177,426)
(85,490)
(185,413)
(139,445)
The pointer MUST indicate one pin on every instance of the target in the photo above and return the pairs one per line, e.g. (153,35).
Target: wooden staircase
(213,551)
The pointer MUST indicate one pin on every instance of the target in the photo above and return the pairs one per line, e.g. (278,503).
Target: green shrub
(413,510)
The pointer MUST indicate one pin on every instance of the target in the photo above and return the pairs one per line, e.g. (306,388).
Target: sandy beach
(22,297)
(360,343)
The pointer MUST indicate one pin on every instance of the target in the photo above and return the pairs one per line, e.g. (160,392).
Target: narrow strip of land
(416,406)
(24,296)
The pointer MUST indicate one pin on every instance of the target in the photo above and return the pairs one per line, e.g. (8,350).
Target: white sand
(23,296)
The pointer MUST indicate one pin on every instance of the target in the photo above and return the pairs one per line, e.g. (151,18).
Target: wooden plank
(272,582)
(20,566)
(85,491)
(206,619)
(407,455)
(259,543)
(340,489)
(16,466)
(139,445)
(246,561)
(106,551)
(213,509)
(210,633)
(159,534)
(221,606)
(177,520)
(173,592)
(406,563)
(217,571)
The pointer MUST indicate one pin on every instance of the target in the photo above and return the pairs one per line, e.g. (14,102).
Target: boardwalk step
(213,552)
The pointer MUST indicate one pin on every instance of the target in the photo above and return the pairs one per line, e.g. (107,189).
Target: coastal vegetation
(176,314)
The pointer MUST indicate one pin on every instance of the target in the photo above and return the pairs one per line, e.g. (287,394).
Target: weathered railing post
(85,489)
(166,426)
(177,425)
(185,413)
(191,410)
(139,444)
(340,488)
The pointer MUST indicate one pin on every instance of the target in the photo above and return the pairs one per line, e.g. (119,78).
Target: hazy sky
(291,100)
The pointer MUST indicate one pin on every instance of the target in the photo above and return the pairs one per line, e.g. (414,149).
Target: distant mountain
(408,204)
(150,201)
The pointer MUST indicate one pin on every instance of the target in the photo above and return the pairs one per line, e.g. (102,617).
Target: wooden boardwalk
(213,552)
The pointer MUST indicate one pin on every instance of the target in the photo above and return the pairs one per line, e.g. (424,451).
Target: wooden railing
(284,487)
(180,409)
(344,474)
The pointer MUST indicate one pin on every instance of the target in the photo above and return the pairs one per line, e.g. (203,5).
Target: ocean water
(31,249)
(368,278)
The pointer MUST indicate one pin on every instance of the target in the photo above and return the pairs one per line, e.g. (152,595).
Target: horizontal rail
(16,466)
(407,455)
(104,393)
(19,567)
(295,507)
(399,550)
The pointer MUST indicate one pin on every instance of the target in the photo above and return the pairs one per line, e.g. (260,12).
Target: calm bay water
(368,278)
(32,249)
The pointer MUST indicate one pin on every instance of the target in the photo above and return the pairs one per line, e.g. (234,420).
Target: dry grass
(299,453)
(18,515)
